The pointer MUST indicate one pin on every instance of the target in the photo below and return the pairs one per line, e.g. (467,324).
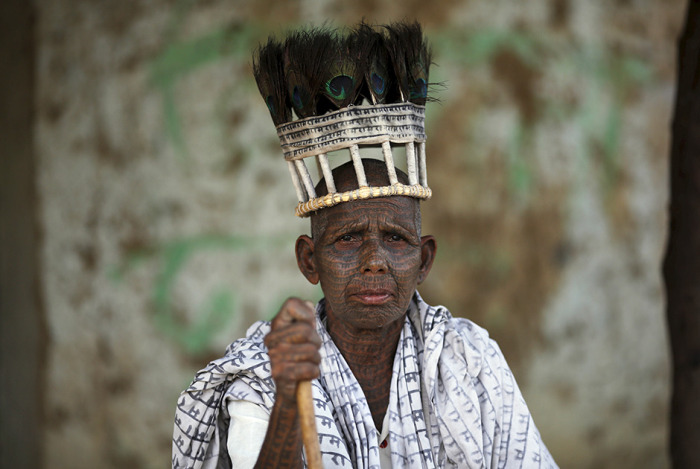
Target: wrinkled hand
(293,346)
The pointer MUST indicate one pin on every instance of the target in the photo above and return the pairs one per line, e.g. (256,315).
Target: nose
(373,257)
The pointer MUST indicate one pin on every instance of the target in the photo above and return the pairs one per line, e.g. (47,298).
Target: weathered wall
(168,226)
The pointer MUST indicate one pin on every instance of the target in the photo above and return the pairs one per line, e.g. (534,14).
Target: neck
(366,347)
(370,355)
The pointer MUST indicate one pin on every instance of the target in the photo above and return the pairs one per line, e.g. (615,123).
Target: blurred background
(153,220)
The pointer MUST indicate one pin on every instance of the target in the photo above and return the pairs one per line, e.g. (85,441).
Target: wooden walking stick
(307,418)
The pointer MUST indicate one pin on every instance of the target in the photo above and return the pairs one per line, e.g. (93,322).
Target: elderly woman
(395,382)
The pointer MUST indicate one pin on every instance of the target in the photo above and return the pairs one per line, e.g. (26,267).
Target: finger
(293,310)
(294,372)
(296,333)
(287,353)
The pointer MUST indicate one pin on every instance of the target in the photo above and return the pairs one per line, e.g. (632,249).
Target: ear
(428,249)
(305,258)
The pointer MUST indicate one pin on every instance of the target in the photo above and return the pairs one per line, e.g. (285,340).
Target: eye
(396,237)
(346,238)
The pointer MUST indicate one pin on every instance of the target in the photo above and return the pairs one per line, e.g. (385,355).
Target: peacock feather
(342,77)
(318,71)
(397,53)
(418,60)
(305,62)
(411,57)
(269,75)
(373,58)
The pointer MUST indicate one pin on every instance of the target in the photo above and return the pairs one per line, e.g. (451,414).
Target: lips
(373,296)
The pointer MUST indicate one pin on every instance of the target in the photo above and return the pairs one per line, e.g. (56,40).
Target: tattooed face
(368,256)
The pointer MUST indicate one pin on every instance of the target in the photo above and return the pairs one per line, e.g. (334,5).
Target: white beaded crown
(326,77)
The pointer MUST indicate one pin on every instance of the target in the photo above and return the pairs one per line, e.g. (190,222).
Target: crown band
(355,125)
(304,209)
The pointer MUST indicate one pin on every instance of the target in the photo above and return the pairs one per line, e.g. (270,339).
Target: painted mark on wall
(172,258)
(605,77)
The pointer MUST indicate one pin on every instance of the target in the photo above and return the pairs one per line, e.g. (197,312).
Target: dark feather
(397,53)
(373,59)
(342,77)
(269,75)
(317,71)
(305,62)
(406,41)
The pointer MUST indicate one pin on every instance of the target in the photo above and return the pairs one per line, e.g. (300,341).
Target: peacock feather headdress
(328,90)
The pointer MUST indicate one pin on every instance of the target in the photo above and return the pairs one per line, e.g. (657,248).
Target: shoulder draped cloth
(453,401)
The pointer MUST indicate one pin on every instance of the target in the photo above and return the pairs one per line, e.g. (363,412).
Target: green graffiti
(195,338)
(612,80)
(519,171)
(180,58)
(220,306)
(172,120)
(609,79)
(479,47)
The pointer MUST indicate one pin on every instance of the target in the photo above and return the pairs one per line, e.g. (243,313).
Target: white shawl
(453,401)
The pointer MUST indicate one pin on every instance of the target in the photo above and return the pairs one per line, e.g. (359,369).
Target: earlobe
(305,258)
(428,249)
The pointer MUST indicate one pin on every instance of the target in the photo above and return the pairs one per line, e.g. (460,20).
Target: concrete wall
(167,211)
